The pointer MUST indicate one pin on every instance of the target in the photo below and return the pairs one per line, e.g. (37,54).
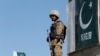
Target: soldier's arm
(59,28)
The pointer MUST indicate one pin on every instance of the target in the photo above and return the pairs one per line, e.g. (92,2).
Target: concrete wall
(91,51)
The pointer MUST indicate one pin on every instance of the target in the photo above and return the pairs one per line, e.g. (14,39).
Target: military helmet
(54,12)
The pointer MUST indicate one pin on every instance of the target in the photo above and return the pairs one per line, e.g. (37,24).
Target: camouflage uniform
(56,38)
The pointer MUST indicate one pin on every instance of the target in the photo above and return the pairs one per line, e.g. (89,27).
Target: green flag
(18,53)
(86,23)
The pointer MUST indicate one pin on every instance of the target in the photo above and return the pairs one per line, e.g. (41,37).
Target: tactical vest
(53,33)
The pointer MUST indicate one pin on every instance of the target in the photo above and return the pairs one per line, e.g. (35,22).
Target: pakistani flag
(86,23)
(18,53)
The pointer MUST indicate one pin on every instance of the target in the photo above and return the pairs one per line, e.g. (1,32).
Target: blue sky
(23,25)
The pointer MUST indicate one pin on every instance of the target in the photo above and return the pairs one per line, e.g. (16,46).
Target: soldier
(56,35)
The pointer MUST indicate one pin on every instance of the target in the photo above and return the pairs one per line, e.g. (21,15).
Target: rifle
(49,41)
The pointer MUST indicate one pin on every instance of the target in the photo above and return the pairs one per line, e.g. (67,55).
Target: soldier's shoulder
(60,23)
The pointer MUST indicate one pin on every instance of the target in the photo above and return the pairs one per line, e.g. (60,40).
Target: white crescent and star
(84,26)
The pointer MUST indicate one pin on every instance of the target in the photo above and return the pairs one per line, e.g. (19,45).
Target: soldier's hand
(47,39)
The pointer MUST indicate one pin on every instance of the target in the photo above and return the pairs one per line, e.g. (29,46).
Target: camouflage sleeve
(59,28)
